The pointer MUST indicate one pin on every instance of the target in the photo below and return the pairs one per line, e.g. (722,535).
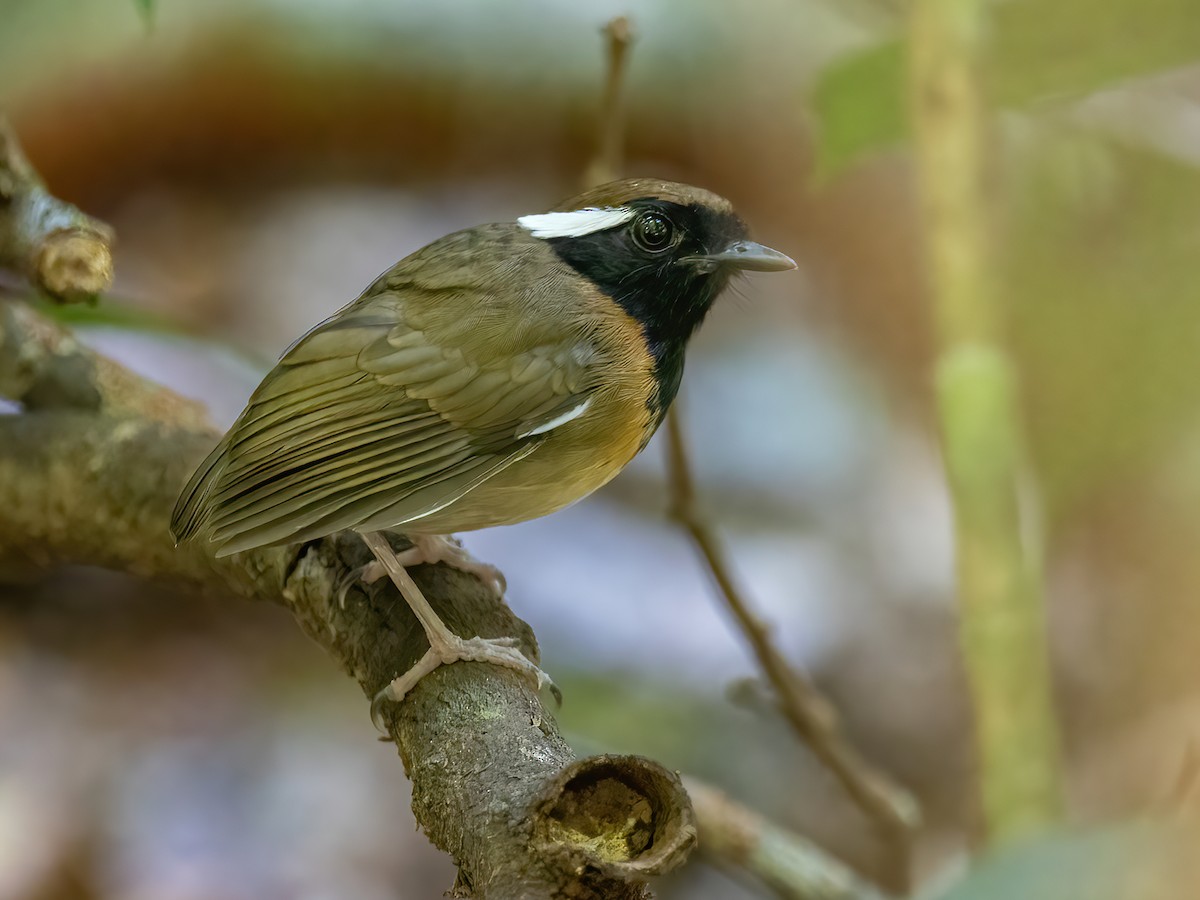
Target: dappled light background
(262,161)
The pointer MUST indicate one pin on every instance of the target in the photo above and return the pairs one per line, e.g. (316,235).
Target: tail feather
(192,509)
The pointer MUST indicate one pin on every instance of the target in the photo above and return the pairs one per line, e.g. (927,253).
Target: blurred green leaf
(146,9)
(1038,52)
(859,103)
(1139,861)
(1078,46)
(110,314)
(1104,315)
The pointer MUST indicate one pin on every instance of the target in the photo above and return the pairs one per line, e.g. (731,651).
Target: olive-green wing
(367,419)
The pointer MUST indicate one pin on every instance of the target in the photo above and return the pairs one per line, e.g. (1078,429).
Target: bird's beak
(748,255)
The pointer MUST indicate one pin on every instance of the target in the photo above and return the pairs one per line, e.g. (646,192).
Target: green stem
(999,583)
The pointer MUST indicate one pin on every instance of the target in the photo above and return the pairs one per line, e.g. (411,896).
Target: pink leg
(445,646)
(430,549)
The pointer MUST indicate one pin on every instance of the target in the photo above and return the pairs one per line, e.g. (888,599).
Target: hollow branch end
(620,816)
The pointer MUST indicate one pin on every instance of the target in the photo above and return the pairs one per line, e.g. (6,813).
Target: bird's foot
(449,648)
(431,549)
(445,646)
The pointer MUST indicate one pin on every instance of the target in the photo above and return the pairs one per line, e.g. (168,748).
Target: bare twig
(610,144)
(1183,799)
(792,867)
(802,705)
(62,251)
(809,713)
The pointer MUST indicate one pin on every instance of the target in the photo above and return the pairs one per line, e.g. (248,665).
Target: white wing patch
(568,416)
(577,222)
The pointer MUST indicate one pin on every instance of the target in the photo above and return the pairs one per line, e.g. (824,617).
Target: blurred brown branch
(62,251)
(810,715)
(793,868)
(606,166)
(1183,799)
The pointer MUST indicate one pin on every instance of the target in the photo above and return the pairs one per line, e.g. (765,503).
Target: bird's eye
(653,232)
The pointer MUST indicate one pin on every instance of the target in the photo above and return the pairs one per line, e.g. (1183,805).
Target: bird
(499,374)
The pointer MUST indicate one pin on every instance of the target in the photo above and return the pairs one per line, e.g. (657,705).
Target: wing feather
(340,456)
(314,433)
(374,420)
(302,508)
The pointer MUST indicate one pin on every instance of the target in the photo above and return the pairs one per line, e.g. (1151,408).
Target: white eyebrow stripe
(577,222)
(563,419)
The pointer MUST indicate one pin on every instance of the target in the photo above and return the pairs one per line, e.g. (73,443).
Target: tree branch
(610,143)
(62,251)
(89,474)
(792,867)
(809,714)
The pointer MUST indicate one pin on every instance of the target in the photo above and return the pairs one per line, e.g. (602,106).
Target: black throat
(668,298)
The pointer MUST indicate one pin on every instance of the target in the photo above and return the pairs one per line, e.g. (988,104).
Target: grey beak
(748,255)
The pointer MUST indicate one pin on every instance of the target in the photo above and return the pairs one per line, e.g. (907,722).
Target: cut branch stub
(622,816)
(74,264)
(63,251)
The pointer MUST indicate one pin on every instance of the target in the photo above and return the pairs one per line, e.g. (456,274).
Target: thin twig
(810,715)
(1183,799)
(610,143)
(792,867)
(61,250)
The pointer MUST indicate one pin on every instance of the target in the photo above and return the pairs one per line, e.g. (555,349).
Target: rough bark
(89,471)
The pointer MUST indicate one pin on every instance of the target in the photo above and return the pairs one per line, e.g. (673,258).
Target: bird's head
(663,251)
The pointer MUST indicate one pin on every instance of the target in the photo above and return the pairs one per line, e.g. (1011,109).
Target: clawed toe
(501,651)
(445,647)
(430,550)
(545,682)
(368,574)
(492,576)
(380,698)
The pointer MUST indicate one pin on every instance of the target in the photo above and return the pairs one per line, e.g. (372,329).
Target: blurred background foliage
(263,160)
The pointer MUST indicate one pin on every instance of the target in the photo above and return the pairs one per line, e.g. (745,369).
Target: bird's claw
(501,651)
(368,574)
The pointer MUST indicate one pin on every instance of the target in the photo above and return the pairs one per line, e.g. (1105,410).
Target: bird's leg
(429,549)
(445,646)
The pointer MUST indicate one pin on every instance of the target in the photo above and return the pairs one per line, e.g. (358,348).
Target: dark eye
(653,232)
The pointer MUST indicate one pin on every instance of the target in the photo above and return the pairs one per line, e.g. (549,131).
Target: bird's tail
(191,509)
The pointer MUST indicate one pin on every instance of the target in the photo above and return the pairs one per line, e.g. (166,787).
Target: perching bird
(497,375)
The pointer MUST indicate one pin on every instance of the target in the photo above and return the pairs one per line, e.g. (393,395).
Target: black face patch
(652,280)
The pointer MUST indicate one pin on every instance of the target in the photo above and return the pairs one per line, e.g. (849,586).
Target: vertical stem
(610,142)
(1002,625)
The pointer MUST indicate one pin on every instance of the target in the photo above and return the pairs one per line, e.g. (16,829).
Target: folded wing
(368,419)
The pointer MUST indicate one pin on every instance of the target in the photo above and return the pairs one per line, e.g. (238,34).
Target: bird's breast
(580,455)
(573,461)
